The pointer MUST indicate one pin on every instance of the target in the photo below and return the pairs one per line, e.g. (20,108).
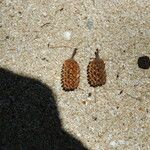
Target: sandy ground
(37,36)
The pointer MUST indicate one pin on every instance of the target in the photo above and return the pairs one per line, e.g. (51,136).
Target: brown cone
(96,73)
(70,74)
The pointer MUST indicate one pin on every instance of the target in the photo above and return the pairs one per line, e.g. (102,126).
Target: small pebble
(84,102)
(67,35)
(94,118)
(90,23)
(144,62)
(89,95)
(44,14)
(7,37)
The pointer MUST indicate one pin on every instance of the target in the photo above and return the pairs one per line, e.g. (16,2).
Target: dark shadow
(29,119)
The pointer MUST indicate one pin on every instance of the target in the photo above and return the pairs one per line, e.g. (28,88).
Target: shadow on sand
(29,119)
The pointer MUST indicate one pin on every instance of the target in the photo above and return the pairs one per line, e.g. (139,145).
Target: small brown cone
(70,74)
(96,73)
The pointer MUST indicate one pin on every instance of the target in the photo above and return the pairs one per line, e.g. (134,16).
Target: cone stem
(74,52)
(97,54)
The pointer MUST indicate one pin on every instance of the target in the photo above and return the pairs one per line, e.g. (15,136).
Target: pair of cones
(96,74)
